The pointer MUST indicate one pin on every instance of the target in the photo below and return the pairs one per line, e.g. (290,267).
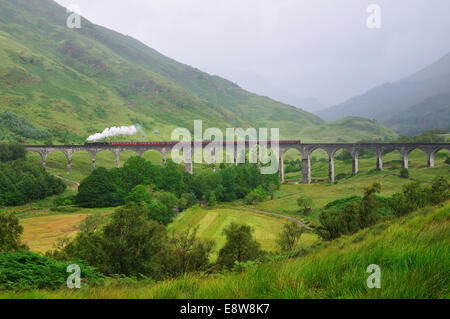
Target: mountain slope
(393,99)
(75,82)
(433,113)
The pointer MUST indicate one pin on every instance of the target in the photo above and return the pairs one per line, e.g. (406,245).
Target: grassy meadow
(412,253)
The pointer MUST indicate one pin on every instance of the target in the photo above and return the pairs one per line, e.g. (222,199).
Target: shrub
(255,196)
(305,204)
(440,191)
(10,233)
(212,201)
(356,215)
(414,195)
(239,246)
(129,244)
(12,152)
(26,270)
(404,173)
(185,253)
(159,212)
(447,160)
(22,127)
(288,238)
(93,223)
(187,200)
(341,203)
(139,195)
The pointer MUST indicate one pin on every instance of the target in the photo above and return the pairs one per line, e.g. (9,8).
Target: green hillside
(412,253)
(75,82)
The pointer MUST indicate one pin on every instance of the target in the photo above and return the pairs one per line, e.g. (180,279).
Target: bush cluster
(415,195)
(22,182)
(11,152)
(27,270)
(348,215)
(110,188)
(22,127)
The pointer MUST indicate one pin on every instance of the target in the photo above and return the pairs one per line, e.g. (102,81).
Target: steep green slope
(79,81)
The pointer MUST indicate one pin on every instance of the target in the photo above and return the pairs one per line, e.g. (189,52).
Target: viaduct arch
(430,149)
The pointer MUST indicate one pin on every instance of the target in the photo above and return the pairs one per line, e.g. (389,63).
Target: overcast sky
(287,49)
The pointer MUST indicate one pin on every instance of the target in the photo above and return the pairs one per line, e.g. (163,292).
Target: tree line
(21,181)
(348,215)
(163,189)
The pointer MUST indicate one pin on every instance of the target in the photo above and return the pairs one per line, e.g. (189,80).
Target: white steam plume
(114,131)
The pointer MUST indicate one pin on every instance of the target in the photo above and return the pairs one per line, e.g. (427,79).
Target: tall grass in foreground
(412,252)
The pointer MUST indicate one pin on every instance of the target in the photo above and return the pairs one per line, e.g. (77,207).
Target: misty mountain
(390,102)
(255,83)
(432,113)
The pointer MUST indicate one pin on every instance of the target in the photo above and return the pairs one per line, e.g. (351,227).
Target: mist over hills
(75,82)
(418,102)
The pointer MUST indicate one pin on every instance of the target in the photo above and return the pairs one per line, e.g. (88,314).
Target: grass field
(41,233)
(211,223)
(412,253)
(35,216)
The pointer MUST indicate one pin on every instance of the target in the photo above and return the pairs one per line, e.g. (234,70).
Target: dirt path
(295,220)
(34,212)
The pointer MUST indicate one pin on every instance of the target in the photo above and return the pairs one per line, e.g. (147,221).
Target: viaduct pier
(305,149)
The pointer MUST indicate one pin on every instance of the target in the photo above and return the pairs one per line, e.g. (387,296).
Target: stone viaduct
(430,149)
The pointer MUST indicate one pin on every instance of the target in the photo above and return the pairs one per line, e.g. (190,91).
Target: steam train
(172,143)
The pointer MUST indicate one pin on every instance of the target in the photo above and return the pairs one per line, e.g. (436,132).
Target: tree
(255,196)
(12,152)
(271,190)
(158,212)
(10,233)
(167,199)
(21,181)
(139,195)
(133,243)
(440,190)
(229,184)
(187,200)
(129,244)
(138,171)
(212,200)
(172,178)
(239,246)
(305,203)
(289,236)
(93,223)
(369,210)
(99,190)
(185,253)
